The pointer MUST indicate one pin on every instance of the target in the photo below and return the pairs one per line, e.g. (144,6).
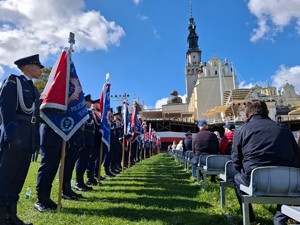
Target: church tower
(193,57)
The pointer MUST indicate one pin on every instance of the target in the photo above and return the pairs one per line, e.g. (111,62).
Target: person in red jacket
(226,140)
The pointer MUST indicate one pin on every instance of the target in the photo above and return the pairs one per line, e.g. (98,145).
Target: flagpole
(129,154)
(124,130)
(123,154)
(100,162)
(71,41)
(61,174)
(101,144)
(150,140)
(123,147)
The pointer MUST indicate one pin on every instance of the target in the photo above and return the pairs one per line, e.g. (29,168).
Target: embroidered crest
(74,89)
(67,124)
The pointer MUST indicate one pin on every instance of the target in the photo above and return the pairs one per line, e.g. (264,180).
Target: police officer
(106,160)
(74,145)
(19,111)
(85,152)
(116,141)
(93,163)
(51,146)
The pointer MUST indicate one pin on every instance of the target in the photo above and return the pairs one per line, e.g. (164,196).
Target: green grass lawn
(155,191)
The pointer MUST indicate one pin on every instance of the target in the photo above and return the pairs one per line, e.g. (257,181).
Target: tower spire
(192,37)
(191,14)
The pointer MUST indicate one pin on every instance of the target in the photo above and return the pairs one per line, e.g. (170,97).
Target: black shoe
(41,206)
(82,187)
(68,196)
(109,174)
(16,221)
(73,193)
(101,178)
(115,172)
(79,188)
(87,187)
(91,182)
(51,204)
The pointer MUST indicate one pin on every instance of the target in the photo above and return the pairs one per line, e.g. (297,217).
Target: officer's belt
(89,131)
(26,118)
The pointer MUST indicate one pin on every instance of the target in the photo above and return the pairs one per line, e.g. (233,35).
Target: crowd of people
(260,141)
(24,135)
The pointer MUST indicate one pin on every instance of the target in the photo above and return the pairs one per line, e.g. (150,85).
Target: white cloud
(136,2)
(282,76)
(183,98)
(156,34)
(160,102)
(273,16)
(163,101)
(142,17)
(287,75)
(29,27)
(243,84)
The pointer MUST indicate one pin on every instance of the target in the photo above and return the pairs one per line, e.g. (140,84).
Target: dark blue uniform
(19,110)
(115,146)
(51,146)
(86,151)
(74,145)
(93,163)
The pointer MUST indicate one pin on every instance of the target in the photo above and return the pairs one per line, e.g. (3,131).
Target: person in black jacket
(204,142)
(19,119)
(187,142)
(86,151)
(262,142)
(51,146)
(74,146)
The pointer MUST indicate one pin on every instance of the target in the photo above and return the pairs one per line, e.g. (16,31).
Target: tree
(41,82)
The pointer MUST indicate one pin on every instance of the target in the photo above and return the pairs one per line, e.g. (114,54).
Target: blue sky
(142,43)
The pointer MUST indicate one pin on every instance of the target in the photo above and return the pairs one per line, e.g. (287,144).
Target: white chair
(190,156)
(186,159)
(271,185)
(227,180)
(215,164)
(291,211)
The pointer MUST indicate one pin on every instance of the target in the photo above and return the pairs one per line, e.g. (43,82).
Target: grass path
(156,191)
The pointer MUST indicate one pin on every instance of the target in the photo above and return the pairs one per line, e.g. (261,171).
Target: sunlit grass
(156,191)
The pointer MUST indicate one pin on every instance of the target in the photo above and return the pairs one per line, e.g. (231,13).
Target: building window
(216,72)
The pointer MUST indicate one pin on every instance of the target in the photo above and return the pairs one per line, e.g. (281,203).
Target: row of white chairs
(268,185)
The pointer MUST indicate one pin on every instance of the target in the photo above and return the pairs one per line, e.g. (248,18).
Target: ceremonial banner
(63,107)
(150,133)
(105,114)
(144,131)
(158,142)
(135,123)
(126,123)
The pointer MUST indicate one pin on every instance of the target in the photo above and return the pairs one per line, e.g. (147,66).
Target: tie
(31,83)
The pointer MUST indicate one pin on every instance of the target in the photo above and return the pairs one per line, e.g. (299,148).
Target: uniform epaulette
(12,78)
